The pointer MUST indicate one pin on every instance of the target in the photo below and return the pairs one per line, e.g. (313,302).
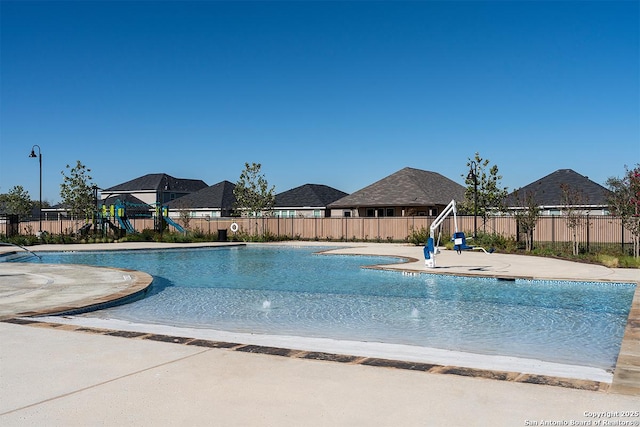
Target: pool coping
(626,375)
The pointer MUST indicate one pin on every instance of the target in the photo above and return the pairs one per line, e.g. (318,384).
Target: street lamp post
(39,156)
(473,174)
(96,214)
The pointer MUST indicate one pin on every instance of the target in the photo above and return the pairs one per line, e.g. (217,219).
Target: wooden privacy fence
(549,229)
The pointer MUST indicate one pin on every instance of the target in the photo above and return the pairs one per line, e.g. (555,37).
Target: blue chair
(460,242)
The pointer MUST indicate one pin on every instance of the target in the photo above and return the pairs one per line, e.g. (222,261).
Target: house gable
(548,192)
(156,187)
(408,187)
(158,182)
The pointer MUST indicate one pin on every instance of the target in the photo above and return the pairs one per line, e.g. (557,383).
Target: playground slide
(111,225)
(124,223)
(85,229)
(174,224)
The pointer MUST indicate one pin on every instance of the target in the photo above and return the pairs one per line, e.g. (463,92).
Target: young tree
(483,193)
(572,200)
(184,213)
(527,216)
(252,192)
(77,191)
(16,202)
(624,201)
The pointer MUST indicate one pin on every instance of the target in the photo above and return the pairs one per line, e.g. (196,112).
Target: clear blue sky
(327,92)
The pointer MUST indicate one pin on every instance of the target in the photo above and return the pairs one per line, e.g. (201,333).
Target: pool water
(294,291)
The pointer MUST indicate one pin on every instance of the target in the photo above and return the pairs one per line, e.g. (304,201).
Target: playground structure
(168,220)
(459,239)
(117,217)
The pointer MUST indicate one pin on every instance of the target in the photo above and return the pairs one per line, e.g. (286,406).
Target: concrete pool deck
(69,374)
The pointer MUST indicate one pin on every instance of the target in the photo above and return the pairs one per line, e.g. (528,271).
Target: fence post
(588,235)
(345,231)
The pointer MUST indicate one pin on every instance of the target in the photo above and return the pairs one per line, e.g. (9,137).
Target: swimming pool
(280,290)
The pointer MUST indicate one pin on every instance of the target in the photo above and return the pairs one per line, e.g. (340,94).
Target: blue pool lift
(459,239)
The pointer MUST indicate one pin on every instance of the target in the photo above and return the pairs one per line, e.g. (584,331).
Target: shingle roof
(159,182)
(548,191)
(407,187)
(219,195)
(126,199)
(312,195)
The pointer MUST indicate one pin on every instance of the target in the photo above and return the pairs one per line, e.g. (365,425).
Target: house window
(390,212)
(284,214)
(317,213)
(433,211)
(371,212)
(346,214)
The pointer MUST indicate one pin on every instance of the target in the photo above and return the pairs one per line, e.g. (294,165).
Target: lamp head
(33,153)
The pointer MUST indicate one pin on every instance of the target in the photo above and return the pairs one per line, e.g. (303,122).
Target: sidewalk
(73,375)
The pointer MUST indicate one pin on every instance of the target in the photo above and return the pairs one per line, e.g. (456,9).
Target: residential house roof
(548,191)
(132,204)
(219,195)
(126,199)
(407,187)
(308,195)
(159,182)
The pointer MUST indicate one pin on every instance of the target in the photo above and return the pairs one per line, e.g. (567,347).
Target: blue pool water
(293,291)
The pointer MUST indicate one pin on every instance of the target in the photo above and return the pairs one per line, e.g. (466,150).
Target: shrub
(629,262)
(492,240)
(608,260)
(198,234)
(418,237)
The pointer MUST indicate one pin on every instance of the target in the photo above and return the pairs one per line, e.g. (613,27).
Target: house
(308,200)
(215,201)
(154,189)
(55,212)
(408,192)
(550,194)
